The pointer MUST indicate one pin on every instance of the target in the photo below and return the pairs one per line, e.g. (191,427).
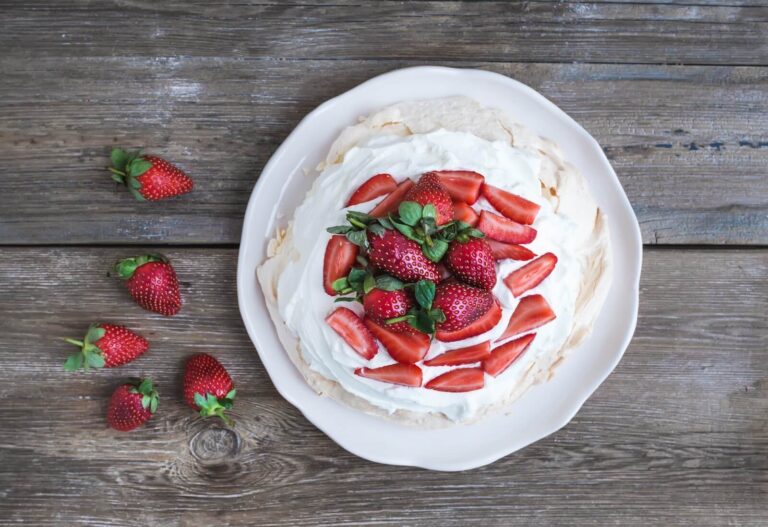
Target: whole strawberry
(381,305)
(392,252)
(152,282)
(461,304)
(148,177)
(429,190)
(208,387)
(472,262)
(131,405)
(106,346)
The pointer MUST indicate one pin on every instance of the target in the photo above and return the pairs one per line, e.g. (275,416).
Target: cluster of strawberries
(152,282)
(423,264)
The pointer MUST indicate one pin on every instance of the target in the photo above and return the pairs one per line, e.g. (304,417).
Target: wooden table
(676,93)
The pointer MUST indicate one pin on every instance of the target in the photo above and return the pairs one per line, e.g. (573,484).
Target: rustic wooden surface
(676,92)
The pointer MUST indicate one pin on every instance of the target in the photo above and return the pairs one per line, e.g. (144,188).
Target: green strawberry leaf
(436,251)
(424,291)
(475,233)
(425,322)
(94,360)
(74,362)
(339,229)
(345,299)
(138,166)
(145,401)
(359,238)
(136,194)
(119,158)
(388,283)
(377,229)
(410,212)
(199,400)
(429,212)
(340,284)
(368,283)
(386,223)
(153,404)
(407,231)
(231,394)
(356,278)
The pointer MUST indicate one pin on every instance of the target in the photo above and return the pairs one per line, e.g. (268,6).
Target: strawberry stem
(78,343)
(116,171)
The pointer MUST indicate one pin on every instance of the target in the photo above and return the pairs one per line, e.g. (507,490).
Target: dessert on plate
(445,260)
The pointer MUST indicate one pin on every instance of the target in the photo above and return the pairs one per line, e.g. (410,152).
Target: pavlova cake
(445,260)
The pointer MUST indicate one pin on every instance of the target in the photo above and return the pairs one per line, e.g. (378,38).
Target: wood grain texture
(676,436)
(493,31)
(689,143)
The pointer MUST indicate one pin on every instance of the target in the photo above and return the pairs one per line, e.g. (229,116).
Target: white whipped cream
(303,303)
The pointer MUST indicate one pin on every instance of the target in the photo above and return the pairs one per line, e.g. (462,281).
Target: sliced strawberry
(502,251)
(466,355)
(461,380)
(465,213)
(462,185)
(405,374)
(531,274)
(351,328)
(532,312)
(511,205)
(479,326)
(339,258)
(504,230)
(376,186)
(503,356)
(407,348)
(392,202)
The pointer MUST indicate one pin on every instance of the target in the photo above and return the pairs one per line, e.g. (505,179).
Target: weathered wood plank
(491,31)
(676,436)
(689,143)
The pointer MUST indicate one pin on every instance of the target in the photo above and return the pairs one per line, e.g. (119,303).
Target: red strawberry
(485,323)
(531,274)
(460,356)
(503,356)
(407,348)
(148,177)
(512,206)
(376,186)
(208,387)
(106,346)
(461,304)
(340,255)
(381,305)
(402,258)
(132,405)
(392,202)
(472,262)
(444,272)
(465,213)
(532,312)
(504,230)
(405,374)
(502,251)
(430,190)
(152,282)
(462,185)
(349,326)
(460,380)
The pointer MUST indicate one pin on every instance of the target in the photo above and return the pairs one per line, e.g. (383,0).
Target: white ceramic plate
(544,408)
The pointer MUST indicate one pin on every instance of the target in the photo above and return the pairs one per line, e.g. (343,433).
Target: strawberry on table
(389,204)
(148,177)
(531,274)
(402,258)
(460,380)
(429,190)
(505,230)
(374,187)
(468,355)
(502,251)
(403,374)
(340,256)
(407,348)
(131,405)
(152,282)
(381,305)
(106,346)
(532,312)
(472,262)
(208,387)
(503,356)
(511,205)
(485,323)
(461,185)
(351,328)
